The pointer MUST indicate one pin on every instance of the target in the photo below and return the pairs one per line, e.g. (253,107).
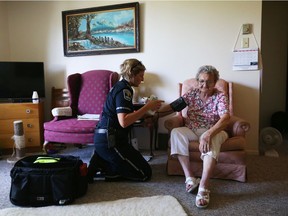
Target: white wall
(176,38)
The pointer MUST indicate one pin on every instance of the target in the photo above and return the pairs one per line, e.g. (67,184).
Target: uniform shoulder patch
(127,95)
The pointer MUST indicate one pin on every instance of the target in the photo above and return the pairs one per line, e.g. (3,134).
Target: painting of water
(101,30)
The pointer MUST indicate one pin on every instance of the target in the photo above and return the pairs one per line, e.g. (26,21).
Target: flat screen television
(18,80)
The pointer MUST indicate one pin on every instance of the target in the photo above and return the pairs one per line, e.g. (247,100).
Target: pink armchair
(231,163)
(87,94)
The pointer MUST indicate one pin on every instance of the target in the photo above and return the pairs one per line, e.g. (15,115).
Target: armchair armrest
(61,111)
(173,122)
(237,126)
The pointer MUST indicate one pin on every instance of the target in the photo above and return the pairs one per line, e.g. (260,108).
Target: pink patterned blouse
(204,115)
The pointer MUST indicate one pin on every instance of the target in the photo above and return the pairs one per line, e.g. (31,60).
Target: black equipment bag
(42,180)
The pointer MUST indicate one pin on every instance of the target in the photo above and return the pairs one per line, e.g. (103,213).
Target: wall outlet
(245,43)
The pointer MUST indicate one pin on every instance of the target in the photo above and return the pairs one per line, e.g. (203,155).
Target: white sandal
(191,184)
(205,197)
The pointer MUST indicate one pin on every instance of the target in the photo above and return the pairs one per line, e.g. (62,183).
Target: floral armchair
(231,162)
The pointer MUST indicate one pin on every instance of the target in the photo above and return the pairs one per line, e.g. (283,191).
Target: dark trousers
(121,160)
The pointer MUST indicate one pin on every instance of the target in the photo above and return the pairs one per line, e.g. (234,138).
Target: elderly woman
(114,155)
(207,116)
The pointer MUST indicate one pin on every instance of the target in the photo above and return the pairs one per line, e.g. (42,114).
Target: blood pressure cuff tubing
(178,105)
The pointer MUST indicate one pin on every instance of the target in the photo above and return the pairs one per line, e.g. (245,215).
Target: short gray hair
(208,69)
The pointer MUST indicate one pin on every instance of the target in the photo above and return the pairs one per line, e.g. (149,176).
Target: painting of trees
(110,29)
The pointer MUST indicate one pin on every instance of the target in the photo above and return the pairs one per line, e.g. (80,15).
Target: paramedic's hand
(154,104)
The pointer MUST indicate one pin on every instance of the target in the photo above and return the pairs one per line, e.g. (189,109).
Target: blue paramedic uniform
(122,160)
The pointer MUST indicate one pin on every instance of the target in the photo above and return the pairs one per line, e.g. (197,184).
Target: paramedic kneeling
(114,155)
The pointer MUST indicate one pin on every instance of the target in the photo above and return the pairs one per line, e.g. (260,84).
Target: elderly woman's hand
(205,143)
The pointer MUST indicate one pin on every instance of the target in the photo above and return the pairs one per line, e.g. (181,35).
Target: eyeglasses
(207,82)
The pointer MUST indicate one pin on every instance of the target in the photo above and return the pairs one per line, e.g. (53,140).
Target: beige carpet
(144,206)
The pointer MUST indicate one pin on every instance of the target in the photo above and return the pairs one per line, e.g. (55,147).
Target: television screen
(18,80)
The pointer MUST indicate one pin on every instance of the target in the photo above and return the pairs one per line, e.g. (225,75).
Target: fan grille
(270,138)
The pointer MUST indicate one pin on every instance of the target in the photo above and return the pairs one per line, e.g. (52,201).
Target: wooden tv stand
(31,114)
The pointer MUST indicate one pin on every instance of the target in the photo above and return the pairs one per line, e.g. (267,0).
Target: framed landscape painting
(101,30)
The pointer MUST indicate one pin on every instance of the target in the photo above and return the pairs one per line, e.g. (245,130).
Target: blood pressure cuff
(178,104)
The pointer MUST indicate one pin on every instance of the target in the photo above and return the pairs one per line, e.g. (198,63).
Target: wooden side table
(152,124)
(59,98)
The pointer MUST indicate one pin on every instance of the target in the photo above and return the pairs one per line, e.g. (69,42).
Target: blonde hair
(130,68)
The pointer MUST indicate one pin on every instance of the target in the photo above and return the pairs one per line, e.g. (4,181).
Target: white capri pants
(181,136)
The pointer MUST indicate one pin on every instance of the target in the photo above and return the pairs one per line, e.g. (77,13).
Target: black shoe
(102,176)
(113,178)
(93,168)
(96,165)
(99,176)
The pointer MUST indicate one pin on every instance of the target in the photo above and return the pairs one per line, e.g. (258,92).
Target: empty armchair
(87,94)
(231,162)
